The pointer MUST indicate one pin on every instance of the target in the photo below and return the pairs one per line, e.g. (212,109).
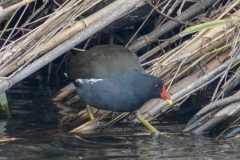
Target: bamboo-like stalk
(6,11)
(64,92)
(186,15)
(35,35)
(61,37)
(197,42)
(197,48)
(219,104)
(120,9)
(19,44)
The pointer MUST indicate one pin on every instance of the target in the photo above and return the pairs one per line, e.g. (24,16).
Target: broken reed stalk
(197,49)
(18,45)
(121,7)
(193,50)
(160,31)
(58,39)
(197,43)
(219,117)
(9,10)
(198,72)
(191,88)
(223,113)
(215,37)
(219,104)
(194,53)
(46,45)
(230,84)
(170,41)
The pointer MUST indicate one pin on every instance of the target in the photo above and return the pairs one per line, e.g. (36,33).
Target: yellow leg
(146,124)
(122,115)
(89,111)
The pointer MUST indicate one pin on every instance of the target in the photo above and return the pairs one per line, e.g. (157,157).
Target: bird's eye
(156,86)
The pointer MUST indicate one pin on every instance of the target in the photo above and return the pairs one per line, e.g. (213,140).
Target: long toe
(67,119)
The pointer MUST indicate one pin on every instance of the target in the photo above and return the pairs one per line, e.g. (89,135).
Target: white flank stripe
(88,80)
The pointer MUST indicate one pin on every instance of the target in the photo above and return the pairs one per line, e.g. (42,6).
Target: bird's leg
(146,124)
(89,111)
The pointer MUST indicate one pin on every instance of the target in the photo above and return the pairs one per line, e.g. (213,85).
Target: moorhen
(110,77)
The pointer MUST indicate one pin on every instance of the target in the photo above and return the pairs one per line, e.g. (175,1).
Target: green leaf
(4,102)
(204,26)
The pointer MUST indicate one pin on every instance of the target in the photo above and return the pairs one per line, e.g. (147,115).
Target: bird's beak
(165,96)
(169,101)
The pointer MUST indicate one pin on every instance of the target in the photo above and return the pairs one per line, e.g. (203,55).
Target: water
(56,146)
(35,120)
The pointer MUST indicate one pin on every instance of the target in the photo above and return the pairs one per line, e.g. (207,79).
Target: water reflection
(2,128)
(55,144)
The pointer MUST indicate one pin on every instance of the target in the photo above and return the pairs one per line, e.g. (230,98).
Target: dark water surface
(35,120)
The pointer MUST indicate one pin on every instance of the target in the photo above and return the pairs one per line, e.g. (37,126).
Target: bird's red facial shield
(165,96)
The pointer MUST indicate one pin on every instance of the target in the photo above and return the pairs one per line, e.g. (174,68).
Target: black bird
(110,77)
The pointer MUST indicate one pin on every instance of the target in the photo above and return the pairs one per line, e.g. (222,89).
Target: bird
(110,77)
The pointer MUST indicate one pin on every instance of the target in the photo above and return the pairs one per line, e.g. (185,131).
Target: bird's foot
(68,118)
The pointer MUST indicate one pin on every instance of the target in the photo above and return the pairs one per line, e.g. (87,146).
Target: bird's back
(103,61)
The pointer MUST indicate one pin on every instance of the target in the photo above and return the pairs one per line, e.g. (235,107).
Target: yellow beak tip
(169,102)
